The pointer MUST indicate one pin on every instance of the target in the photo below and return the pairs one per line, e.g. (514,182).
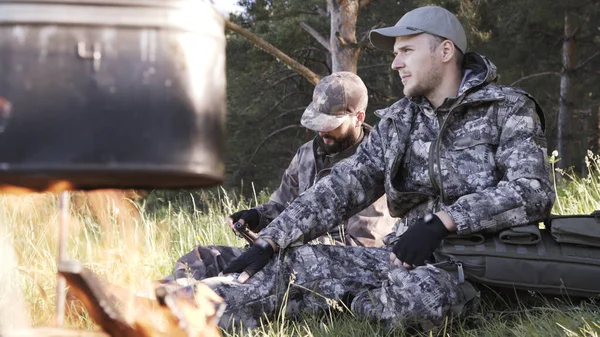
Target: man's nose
(398,63)
(323,134)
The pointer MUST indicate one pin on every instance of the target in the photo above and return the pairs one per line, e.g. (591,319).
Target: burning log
(189,312)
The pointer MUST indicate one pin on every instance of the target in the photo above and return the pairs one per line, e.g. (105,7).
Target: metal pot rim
(192,16)
(130,3)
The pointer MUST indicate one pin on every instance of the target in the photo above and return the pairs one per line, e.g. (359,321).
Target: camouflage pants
(311,278)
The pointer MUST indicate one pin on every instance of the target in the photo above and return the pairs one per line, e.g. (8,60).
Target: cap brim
(384,38)
(320,122)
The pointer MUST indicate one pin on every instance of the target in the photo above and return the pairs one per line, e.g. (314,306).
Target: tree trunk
(565,139)
(343,44)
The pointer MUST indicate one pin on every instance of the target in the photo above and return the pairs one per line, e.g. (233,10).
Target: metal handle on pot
(95,54)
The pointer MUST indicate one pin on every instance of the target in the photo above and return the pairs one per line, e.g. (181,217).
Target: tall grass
(576,195)
(127,251)
(131,251)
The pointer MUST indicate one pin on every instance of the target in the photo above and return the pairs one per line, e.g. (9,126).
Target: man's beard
(338,145)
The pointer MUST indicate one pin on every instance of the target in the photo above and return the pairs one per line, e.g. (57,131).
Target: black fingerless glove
(419,241)
(251,218)
(252,260)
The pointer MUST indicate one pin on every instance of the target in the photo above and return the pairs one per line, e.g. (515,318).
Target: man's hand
(251,261)
(419,242)
(250,217)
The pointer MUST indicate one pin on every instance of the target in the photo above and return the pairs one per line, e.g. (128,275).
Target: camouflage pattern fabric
(311,278)
(480,156)
(335,98)
(309,165)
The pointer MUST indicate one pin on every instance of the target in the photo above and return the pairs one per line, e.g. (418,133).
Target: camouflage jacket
(480,156)
(309,165)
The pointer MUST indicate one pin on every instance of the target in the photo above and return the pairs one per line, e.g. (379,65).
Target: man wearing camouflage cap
(458,154)
(337,114)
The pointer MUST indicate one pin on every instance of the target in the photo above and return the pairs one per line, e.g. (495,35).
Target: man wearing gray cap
(337,114)
(458,154)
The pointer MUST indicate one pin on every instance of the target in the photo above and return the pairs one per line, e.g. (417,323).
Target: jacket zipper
(318,174)
(435,149)
(432,149)
(394,171)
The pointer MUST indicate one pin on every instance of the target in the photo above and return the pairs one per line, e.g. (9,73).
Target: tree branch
(535,75)
(364,40)
(364,3)
(380,94)
(309,48)
(251,104)
(262,142)
(320,38)
(271,76)
(341,39)
(278,103)
(273,51)
(284,79)
(308,12)
(375,66)
(581,64)
(302,108)
(316,10)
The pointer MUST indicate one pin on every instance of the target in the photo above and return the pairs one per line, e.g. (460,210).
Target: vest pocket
(473,153)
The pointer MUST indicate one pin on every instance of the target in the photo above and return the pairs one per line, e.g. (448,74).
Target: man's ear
(447,50)
(360,118)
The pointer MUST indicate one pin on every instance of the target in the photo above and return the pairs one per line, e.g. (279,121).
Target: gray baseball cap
(428,19)
(335,98)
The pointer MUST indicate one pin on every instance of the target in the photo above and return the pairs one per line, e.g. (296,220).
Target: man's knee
(423,297)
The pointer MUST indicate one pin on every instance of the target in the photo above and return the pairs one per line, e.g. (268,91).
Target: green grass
(577,195)
(132,253)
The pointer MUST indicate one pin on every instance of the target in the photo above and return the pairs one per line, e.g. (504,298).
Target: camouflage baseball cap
(428,19)
(335,98)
